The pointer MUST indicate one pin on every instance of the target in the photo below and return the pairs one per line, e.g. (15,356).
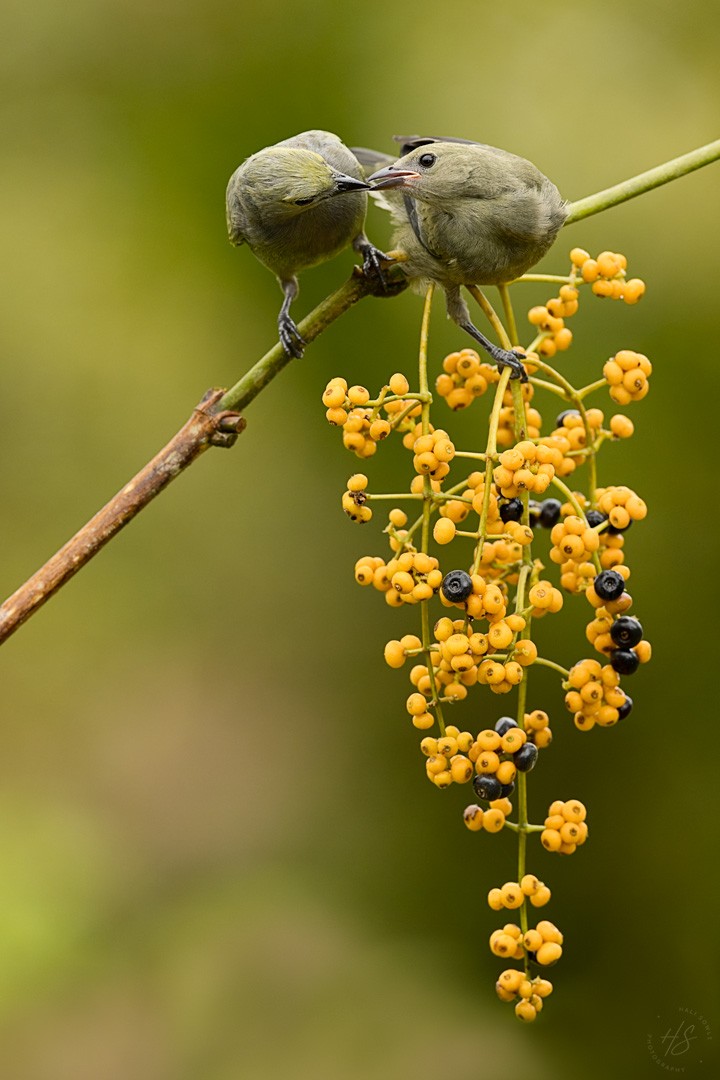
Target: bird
(465,213)
(295,204)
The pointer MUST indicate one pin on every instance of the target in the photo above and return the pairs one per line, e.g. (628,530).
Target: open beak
(391,177)
(345,183)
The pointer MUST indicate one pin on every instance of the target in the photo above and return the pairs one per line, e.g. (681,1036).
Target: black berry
(609,585)
(487,787)
(550,512)
(526,757)
(624,661)
(512,510)
(507,790)
(457,586)
(504,724)
(626,708)
(594,517)
(626,631)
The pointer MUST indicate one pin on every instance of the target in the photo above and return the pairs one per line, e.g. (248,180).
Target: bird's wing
(372,160)
(414,219)
(411,142)
(235,214)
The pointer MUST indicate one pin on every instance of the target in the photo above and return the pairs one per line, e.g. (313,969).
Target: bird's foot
(374,262)
(290,338)
(507,358)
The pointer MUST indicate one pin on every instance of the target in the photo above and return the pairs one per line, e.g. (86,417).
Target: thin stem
(646,181)
(552,279)
(509,314)
(490,452)
(491,316)
(573,395)
(551,664)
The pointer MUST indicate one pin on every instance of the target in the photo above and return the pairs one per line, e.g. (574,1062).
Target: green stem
(509,314)
(490,452)
(551,664)
(328,310)
(646,181)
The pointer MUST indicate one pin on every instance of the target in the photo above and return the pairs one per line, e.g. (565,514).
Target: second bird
(466,214)
(296,204)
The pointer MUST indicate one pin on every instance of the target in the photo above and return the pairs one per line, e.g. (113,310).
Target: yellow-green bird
(466,214)
(296,204)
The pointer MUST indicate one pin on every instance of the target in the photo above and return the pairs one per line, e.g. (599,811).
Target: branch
(637,185)
(215,422)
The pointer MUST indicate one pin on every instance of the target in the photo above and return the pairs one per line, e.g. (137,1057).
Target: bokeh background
(219,856)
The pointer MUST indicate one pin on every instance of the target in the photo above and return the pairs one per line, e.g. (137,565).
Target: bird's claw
(505,358)
(290,338)
(373,260)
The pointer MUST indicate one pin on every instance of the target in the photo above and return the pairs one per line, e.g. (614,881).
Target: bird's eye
(305,202)
(426,160)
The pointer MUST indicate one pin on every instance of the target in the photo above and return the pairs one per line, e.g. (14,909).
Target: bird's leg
(373,258)
(458,312)
(502,357)
(290,338)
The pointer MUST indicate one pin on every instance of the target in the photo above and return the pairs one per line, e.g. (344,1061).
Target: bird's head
(433,173)
(291,180)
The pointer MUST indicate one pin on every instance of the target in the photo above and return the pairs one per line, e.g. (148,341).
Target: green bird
(466,214)
(296,204)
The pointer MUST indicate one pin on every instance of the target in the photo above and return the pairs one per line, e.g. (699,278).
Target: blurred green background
(219,856)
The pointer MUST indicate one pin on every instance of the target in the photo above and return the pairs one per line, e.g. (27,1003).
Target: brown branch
(205,428)
(215,422)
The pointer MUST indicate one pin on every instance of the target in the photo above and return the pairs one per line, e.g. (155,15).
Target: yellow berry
(444,530)
(398,384)
(548,953)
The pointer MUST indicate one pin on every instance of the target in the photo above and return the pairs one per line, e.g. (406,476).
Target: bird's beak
(345,183)
(391,177)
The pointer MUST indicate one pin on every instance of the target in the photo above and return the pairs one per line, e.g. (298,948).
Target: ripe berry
(487,787)
(626,631)
(626,708)
(507,789)
(624,661)
(504,724)
(456,586)
(550,512)
(561,416)
(609,585)
(511,510)
(594,517)
(526,757)
(615,529)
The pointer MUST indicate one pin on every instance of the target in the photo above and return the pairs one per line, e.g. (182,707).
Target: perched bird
(466,214)
(296,204)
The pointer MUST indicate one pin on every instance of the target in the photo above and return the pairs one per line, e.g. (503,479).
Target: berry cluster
(464,378)
(565,827)
(484,543)
(512,894)
(627,374)
(606,275)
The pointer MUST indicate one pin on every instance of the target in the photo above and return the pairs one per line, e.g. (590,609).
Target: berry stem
(597,385)
(551,664)
(490,452)
(427,496)
(553,279)
(509,313)
(490,315)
